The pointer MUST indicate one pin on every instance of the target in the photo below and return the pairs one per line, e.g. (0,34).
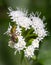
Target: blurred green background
(7,56)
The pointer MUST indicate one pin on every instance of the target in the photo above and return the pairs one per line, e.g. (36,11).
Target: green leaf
(29,42)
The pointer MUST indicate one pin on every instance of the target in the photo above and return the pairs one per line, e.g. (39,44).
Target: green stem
(28,33)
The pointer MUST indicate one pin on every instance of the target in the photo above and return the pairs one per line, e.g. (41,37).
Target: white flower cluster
(39,27)
(21,19)
(21,44)
(29,52)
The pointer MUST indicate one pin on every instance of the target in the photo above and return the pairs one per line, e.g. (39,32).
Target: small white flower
(24,22)
(29,52)
(21,44)
(35,43)
(41,33)
(11,44)
(16,14)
